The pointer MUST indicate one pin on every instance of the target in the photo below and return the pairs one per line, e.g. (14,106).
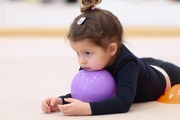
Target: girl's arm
(125,94)
(126,90)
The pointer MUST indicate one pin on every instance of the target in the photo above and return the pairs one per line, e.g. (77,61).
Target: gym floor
(33,68)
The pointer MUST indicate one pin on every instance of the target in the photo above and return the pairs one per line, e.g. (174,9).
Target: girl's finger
(53,101)
(70,100)
(63,107)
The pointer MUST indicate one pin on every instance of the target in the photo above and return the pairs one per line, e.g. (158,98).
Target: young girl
(96,36)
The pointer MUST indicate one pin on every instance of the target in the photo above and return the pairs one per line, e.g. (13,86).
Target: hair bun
(91,2)
(88,4)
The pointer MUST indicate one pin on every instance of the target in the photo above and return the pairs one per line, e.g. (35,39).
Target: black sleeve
(125,94)
(65,96)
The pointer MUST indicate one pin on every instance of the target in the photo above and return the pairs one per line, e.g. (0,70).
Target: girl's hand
(75,107)
(50,104)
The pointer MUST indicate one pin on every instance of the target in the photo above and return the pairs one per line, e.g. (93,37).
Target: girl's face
(90,56)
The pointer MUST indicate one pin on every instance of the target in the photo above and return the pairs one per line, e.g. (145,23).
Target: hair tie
(93,7)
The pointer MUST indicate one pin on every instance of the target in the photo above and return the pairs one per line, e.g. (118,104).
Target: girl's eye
(88,53)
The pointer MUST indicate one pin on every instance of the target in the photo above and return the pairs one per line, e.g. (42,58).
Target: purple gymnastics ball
(92,86)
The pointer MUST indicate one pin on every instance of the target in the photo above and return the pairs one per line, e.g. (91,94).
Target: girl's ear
(112,49)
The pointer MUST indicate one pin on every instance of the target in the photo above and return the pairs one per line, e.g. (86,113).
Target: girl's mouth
(86,68)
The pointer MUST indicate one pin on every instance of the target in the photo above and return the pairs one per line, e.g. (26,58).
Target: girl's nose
(82,61)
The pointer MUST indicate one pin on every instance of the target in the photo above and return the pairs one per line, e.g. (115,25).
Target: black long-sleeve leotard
(136,81)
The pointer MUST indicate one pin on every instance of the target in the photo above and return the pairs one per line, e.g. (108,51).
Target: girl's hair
(98,26)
